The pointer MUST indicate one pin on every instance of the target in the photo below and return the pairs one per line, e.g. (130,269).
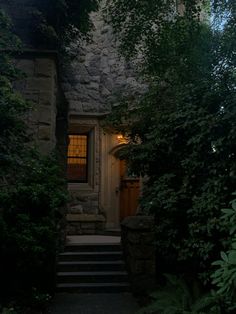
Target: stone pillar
(40,88)
(138,238)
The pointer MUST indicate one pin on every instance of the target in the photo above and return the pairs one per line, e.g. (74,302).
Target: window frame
(86,181)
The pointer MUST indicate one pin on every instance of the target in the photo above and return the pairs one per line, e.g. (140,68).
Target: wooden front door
(129,192)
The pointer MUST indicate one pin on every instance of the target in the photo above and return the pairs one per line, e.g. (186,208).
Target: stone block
(88,225)
(40,84)
(46,98)
(77,209)
(73,229)
(75,106)
(44,132)
(45,146)
(88,231)
(94,95)
(95,78)
(100,225)
(33,117)
(44,67)
(83,79)
(112,62)
(133,237)
(27,66)
(85,218)
(71,95)
(89,107)
(105,92)
(32,97)
(93,70)
(45,115)
(93,86)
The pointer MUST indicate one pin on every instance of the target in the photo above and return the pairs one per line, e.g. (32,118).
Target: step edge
(91,273)
(86,285)
(91,253)
(92,244)
(105,262)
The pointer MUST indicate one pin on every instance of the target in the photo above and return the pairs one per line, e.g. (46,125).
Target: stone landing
(78,224)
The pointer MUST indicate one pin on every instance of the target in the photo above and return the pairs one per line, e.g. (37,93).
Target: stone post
(137,236)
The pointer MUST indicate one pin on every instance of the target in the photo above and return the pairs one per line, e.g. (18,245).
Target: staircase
(92,268)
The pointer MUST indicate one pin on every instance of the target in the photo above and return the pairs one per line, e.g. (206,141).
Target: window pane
(77,146)
(77,158)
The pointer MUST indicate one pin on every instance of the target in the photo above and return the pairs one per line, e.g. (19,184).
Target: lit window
(77,158)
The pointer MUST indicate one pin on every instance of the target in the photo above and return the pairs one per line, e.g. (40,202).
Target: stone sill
(75,114)
(84,218)
(80,187)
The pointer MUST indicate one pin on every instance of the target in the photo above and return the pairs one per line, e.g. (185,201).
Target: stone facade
(94,81)
(84,224)
(98,74)
(138,242)
(40,88)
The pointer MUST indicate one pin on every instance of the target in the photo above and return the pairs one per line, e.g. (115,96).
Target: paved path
(112,303)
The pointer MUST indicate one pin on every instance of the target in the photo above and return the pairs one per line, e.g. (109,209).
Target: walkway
(117,303)
(93,303)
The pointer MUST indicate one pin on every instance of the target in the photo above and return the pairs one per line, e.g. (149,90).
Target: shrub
(224,276)
(179,297)
(31,213)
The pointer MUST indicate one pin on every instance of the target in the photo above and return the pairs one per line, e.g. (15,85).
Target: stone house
(69,113)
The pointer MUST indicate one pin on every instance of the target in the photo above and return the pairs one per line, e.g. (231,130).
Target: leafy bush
(178,297)
(225,276)
(182,132)
(31,213)
(32,192)
(53,24)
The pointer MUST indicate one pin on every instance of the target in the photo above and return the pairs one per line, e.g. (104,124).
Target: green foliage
(58,22)
(177,297)
(183,132)
(225,276)
(30,226)
(32,193)
(8,310)
(12,105)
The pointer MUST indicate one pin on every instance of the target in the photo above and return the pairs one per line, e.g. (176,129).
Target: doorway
(129,192)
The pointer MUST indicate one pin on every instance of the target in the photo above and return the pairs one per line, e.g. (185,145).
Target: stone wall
(98,74)
(93,83)
(40,88)
(84,224)
(138,244)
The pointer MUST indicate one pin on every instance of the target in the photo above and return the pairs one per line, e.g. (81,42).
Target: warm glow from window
(77,158)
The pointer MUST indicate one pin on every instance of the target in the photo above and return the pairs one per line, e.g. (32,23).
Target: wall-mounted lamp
(121,139)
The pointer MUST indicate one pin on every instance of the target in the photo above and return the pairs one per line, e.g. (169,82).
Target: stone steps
(92,267)
(118,265)
(116,287)
(88,256)
(91,247)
